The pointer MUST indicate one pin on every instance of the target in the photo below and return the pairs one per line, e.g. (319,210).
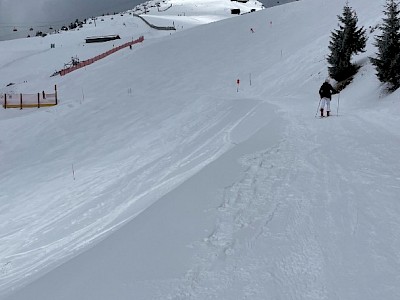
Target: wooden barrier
(29,100)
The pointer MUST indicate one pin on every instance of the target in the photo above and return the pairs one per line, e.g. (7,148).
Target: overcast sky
(25,11)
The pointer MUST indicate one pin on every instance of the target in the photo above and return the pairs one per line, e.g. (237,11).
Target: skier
(325,92)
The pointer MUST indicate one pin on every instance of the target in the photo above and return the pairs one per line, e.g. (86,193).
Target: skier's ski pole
(319,104)
(337,112)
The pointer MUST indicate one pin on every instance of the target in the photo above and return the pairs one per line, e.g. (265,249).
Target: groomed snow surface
(159,177)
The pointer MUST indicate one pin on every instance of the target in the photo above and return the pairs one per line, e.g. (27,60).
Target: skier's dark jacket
(326,90)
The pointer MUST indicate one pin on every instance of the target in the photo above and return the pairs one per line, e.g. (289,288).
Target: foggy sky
(24,11)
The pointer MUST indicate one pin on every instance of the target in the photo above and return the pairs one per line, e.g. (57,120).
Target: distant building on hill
(101,39)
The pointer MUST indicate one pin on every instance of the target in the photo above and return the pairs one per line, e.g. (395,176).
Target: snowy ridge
(223,191)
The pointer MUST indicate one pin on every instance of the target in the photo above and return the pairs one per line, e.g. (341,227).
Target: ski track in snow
(272,213)
(203,145)
(249,208)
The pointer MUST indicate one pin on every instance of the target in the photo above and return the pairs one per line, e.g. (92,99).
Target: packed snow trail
(133,261)
(311,216)
(126,131)
(314,217)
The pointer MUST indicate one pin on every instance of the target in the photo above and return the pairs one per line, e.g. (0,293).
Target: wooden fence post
(20,99)
(38,100)
(5,101)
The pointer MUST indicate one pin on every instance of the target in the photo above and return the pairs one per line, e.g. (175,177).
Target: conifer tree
(387,62)
(345,41)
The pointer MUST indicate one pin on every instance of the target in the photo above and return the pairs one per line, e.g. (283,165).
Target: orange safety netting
(98,57)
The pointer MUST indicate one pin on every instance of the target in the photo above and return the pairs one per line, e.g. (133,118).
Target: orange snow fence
(98,57)
(21,101)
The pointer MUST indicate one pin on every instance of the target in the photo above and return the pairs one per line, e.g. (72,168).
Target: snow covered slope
(225,191)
